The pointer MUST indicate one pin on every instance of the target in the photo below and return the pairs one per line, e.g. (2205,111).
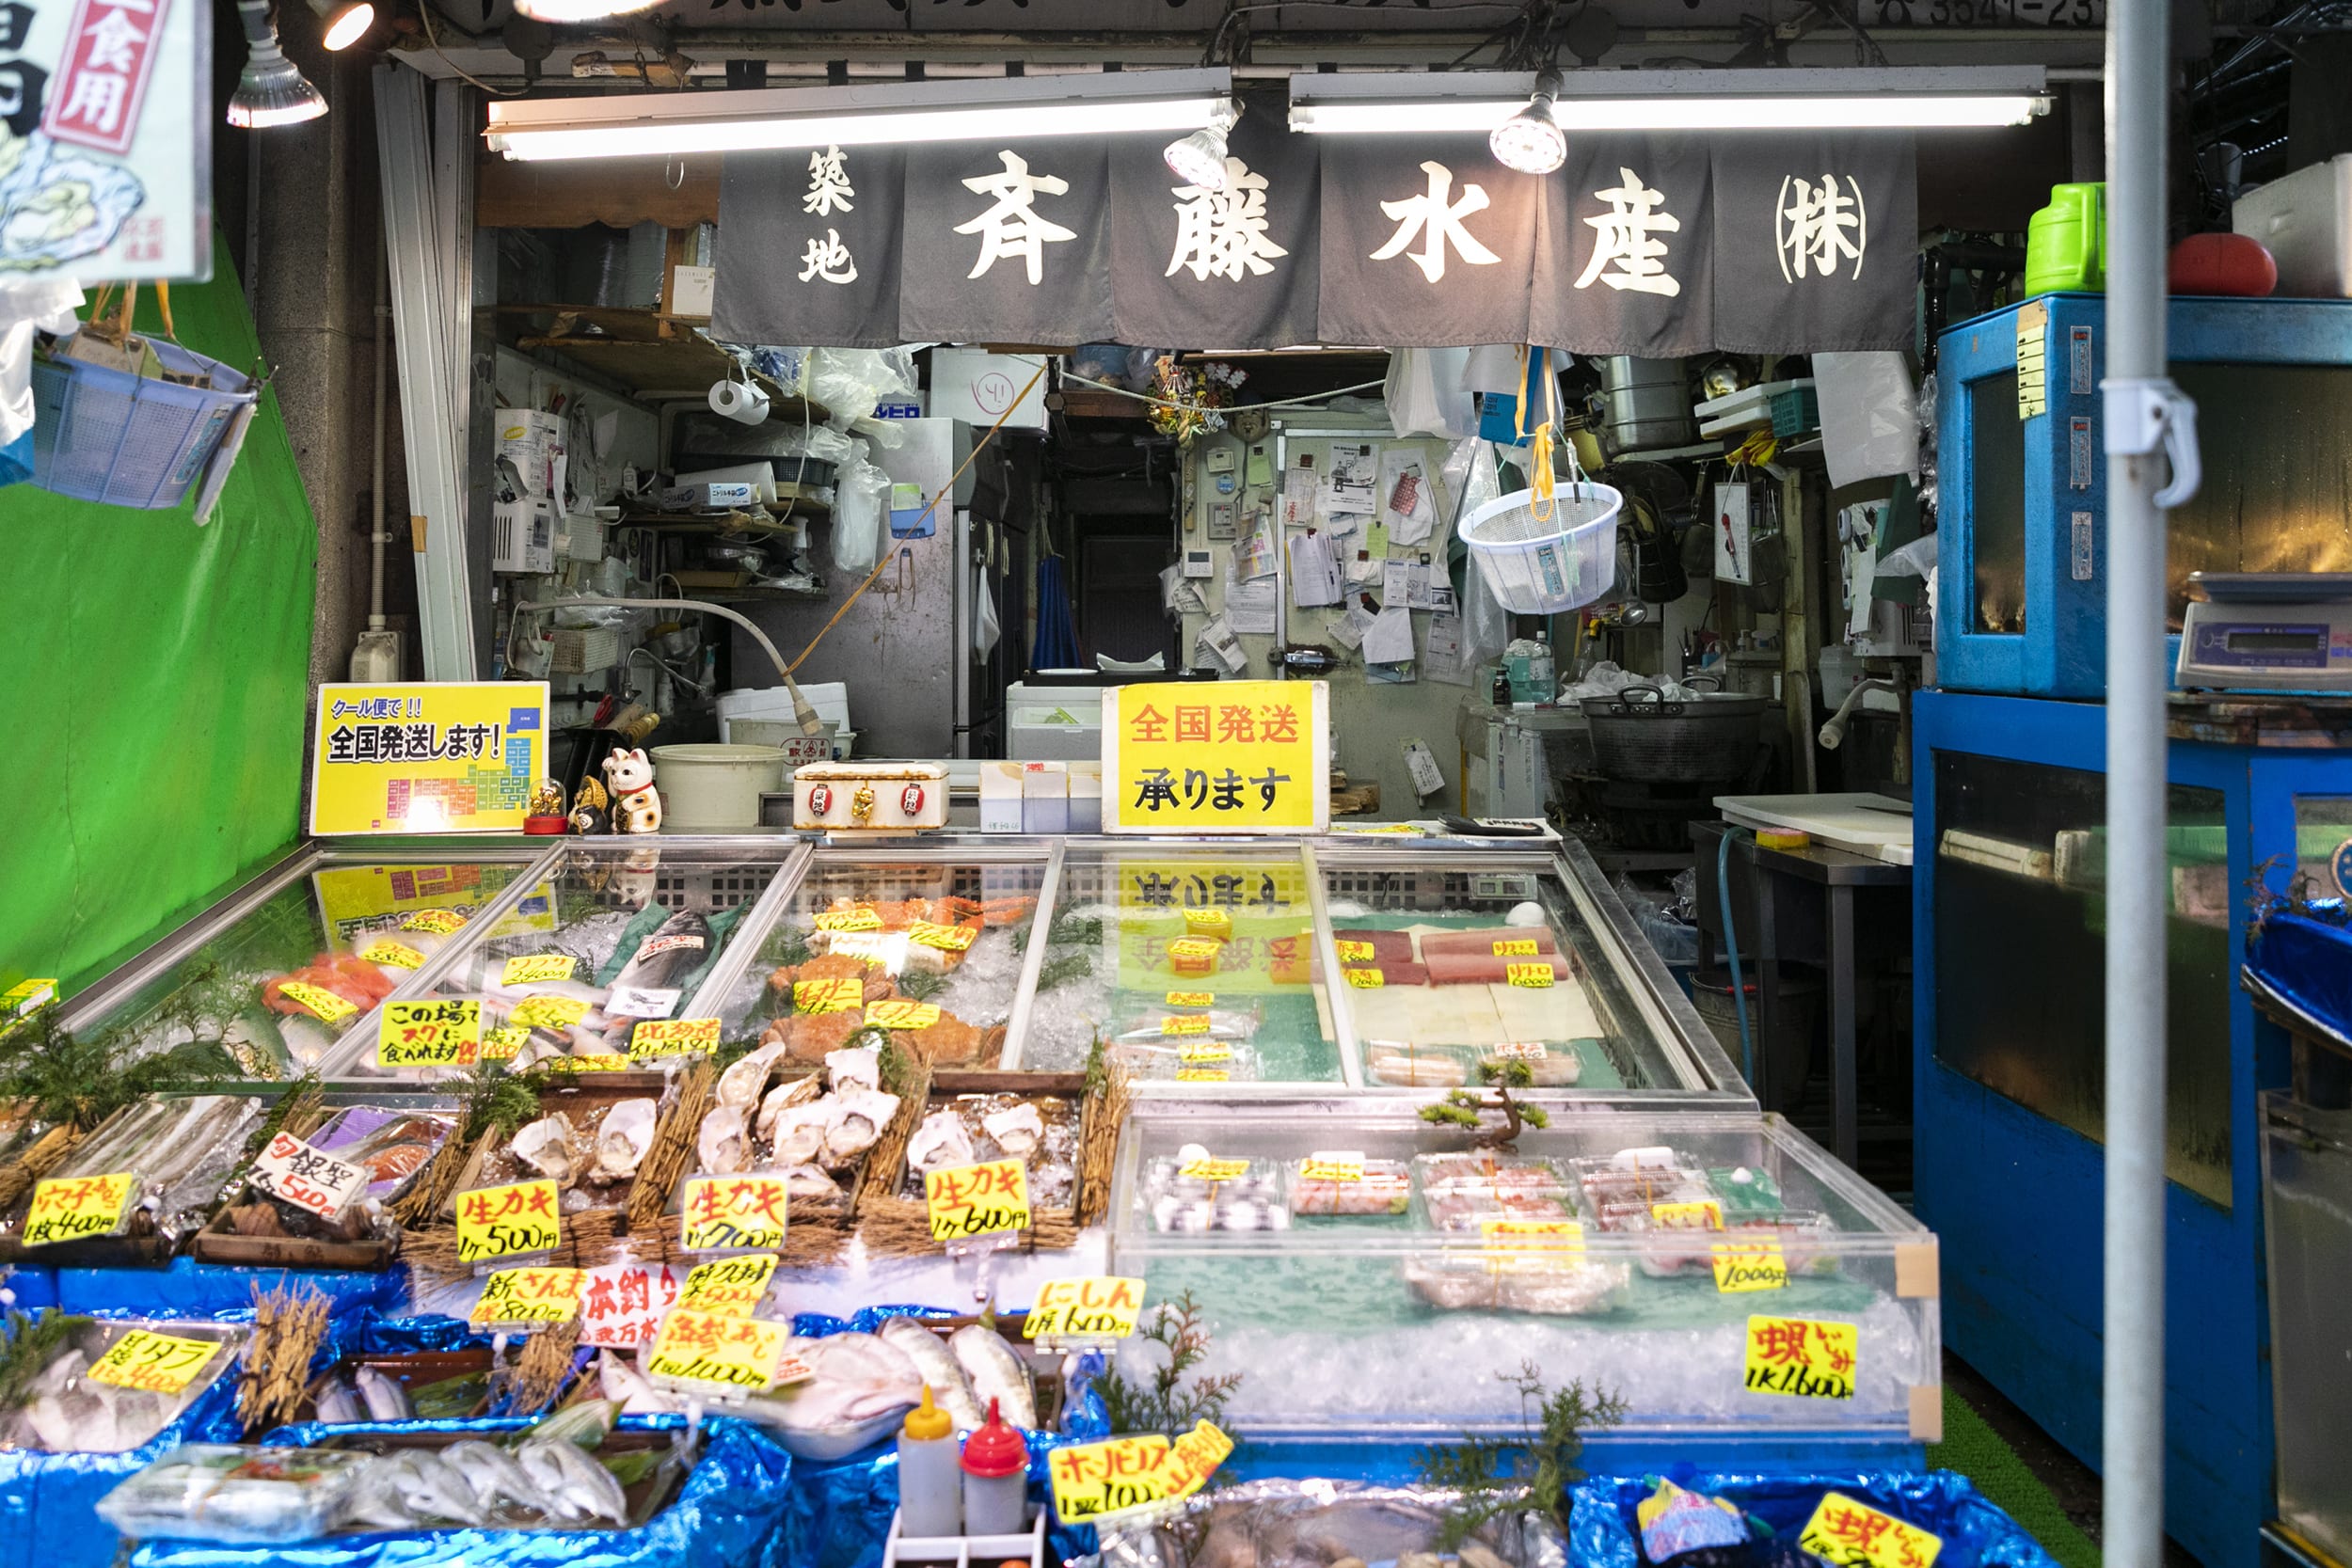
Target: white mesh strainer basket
(1541,563)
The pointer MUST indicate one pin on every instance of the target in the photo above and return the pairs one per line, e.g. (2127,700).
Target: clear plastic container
(235,1492)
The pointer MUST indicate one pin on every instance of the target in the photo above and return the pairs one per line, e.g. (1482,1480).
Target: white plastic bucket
(1543,564)
(715,786)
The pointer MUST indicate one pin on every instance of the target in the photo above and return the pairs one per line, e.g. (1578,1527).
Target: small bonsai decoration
(1167,1403)
(1498,1476)
(1466,1107)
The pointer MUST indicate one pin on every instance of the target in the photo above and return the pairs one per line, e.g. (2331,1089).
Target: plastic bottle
(995,1478)
(930,1501)
(1540,668)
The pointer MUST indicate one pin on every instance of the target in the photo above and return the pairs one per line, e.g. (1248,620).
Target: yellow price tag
(1802,1357)
(528,1296)
(1516,947)
(1096,1306)
(508,1222)
(596,1061)
(838,995)
(897,1014)
(1179,1024)
(1204,1052)
(1192,950)
(317,1000)
(1848,1533)
(441,922)
(548,1012)
(730,1287)
(393,955)
(500,1045)
(1204,1075)
(977,1200)
(848,920)
(870,948)
(672,1037)
(1213,1170)
(1756,1265)
(947,938)
(1355,952)
(158,1363)
(538,969)
(1537,976)
(1705,1215)
(1366,979)
(1095,1482)
(428,1034)
(70,1208)
(1192,999)
(1330,1165)
(1532,1245)
(718,1213)
(745,1356)
(1209,923)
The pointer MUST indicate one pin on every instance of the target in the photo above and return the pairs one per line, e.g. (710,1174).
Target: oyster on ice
(545,1147)
(741,1083)
(1018,1130)
(858,1120)
(624,1138)
(722,1145)
(940,1144)
(782,1098)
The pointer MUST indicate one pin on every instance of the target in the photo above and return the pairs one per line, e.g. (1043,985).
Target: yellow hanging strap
(1539,439)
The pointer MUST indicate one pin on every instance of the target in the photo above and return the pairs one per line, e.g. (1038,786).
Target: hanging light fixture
(581,10)
(272,90)
(1532,141)
(1199,158)
(347,21)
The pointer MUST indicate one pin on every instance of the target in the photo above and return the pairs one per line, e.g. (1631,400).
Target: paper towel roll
(739,400)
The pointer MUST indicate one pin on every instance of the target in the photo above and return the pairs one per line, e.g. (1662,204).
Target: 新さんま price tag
(508,1222)
(1097,1307)
(428,1034)
(528,1296)
(984,1199)
(719,1213)
(157,1363)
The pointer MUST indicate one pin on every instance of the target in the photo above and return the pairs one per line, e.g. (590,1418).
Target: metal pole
(2132,1446)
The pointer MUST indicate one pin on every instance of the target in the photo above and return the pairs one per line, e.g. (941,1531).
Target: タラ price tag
(1848,1533)
(1534,976)
(1332,1165)
(72,1208)
(441,922)
(1366,979)
(428,1034)
(548,1012)
(393,955)
(730,1287)
(848,920)
(1192,999)
(1802,1357)
(1705,1215)
(724,1355)
(1100,1307)
(500,1045)
(1756,1265)
(528,1296)
(157,1363)
(900,1013)
(1213,1170)
(966,1201)
(836,995)
(513,1221)
(1355,952)
(1179,1025)
(1516,947)
(726,1213)
(538,969)
(947,938)
(317,1000)
(307,1177)
(673,1036)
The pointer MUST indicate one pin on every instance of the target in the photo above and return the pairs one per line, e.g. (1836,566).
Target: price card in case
(317,1000)
(1096,1481)
(500,1045)
(308,1178)
(1852,1534)
(673,1036)
(1192,999)
(1534,976)
(157,1363)
(441,922)
(1354,952)
(745,1213)
(538,969)
(1802,1359)
(513,1221)
(848,920)
(548,1012)
(1366,979)
(393,955)
(1705,1215)
(528,1296)
(947,938)
(1177,1025)
(1756,1265)
(967,1202)
(1332,1165)
(1096,1308)
(1213,1170)
(72,1208)
(428,1034)
(729,1287)
(836,995)
(899,1014)
(1516,947)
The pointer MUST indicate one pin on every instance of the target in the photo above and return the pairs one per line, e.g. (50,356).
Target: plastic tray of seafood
(111,1387)
(132,1191)
(320,1194)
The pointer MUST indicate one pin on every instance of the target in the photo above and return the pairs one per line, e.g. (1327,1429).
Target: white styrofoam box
(831,699)
(531,443)
(2305,221)
(929,456)
(522,535)
(1047,721)
(975,386)
(1000,796)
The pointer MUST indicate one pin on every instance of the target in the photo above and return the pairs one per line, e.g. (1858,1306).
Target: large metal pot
(1639,735)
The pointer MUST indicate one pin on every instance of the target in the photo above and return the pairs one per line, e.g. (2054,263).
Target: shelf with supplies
(651,352)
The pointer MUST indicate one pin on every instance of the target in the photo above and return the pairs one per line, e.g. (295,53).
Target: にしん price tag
(1094,1307)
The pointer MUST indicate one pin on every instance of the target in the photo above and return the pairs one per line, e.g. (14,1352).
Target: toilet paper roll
(739,400)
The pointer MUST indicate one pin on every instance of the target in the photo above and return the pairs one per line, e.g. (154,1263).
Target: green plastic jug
(2066,243)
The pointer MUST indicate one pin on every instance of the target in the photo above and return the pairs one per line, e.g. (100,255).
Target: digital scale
(2268,632)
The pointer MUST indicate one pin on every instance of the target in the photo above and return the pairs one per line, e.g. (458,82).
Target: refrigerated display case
(1719,1273)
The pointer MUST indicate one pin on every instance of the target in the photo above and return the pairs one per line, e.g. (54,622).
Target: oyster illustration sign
(104,139)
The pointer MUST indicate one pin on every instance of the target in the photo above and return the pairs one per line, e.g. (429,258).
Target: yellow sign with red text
(1232,757)
(1095,1482)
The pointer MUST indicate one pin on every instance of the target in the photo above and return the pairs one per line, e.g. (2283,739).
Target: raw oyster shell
(858,1120)
(782,1098)
(741,1083)
(722,1146)
(624,1138)
(545,1147)
(940,1144)
(1017,1130)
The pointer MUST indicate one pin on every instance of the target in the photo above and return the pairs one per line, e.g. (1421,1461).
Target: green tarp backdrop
(159,681)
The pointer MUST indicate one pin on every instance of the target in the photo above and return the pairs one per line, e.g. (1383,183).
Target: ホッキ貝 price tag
(70,1208)
(393,955)
(528,1296)
(158,1363)
(722,1214)
(1213,1170)
(317,1000)
(1192,999)
(1705,1215)
(306,1177)
(838,995)
(1516,947)
(1802,1357)
(985,1199)
(500,1045)
(673,1036)
(1094,1307)
(730,1287)
(428,1034)
(1756,1265)
(1532,1245)
(1332,1165)
(441,922)
(1095,1482)
(1180,1024)
(1536,976)
(848,920)
(548,1012)
(538,969)
(740,1356)
(1366,979)
(1354,952)
(899,1014)
(1851,1534)
(947,938)
(508,1222)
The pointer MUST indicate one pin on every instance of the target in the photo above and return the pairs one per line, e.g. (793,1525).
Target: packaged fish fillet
(1485,1170)
(1385,1187)
(1419,1066)
(1199,1061)
(1467,1209)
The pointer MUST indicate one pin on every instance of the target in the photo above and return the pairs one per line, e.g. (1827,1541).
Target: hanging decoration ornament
(1193,397)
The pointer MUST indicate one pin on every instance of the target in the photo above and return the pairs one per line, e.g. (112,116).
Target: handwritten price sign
(528,1296)
(1705,1215)
(1179,1025)
(720,1213)
(428,1034)
(738,1355)
(500,1045)
(157,1363)
(1535,977)
(1097,1481)
(1192,999)
(1852,1534)
(1802,1359)
(1516,947)
(947,938)
(393,955)
(441,922)
(1366,979)
(1209,923)
(964,1201)
(850,920)
(317,1000)
(836,995)
(538,969)
(1333,1165)
(672,1037)
(306,1177)
(511,1221)
(1355,952)
(548,1012)
(1532,1246)
(730,1287)
(1213,1170)
(1756,1265)
(899,1014)
(69,1208)
(1094,1307)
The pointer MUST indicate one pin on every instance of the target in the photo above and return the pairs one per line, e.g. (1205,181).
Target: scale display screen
(2276,642)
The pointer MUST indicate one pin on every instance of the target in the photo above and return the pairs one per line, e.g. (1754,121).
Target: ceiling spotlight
(1199,159)
(579,10)
(271,92)
(347,21)
(1532,141)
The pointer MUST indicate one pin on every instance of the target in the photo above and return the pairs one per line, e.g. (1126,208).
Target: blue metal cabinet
(2008,1012)
(2022,599)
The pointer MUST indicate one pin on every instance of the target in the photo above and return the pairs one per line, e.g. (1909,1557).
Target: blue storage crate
(1602,1532)
(103,434)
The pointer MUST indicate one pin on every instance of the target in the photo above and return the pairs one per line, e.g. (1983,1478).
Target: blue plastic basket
(1602,1532)
(105,435)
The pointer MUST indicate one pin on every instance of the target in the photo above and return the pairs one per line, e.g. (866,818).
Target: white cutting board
(1878,826)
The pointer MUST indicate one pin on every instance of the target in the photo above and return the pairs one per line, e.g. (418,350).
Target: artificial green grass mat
(1976,1451)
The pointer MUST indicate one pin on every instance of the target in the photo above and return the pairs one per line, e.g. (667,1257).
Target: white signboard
(307,1177)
